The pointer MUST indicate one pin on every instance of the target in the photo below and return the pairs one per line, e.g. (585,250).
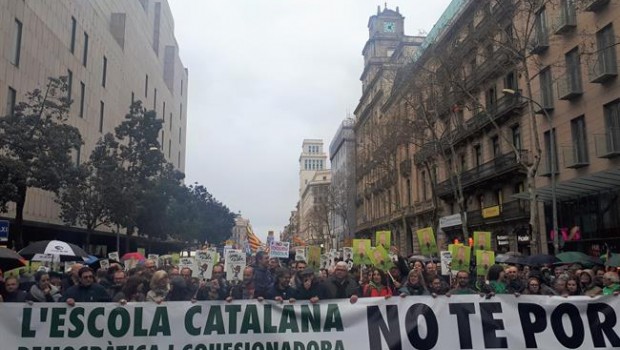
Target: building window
(541,35)
(85,55)
(101,114)
(170,125)
(181,87)
(155,99)
(162,141)
(546,88)
(516,136)
(423,184)
(408,192)
(510,81)
(180,133)
(181,111)
(580,147)
(104,74)
(69,83)
(17,43)
(73,33)
(179,160)
(477,155)
(612,126)
(10,101)
(548,168)
(146,86)
(133,97)
(169,148)
(491,99)
(606,45)
(495,146)
(462,163)
(573,69)
(82,96)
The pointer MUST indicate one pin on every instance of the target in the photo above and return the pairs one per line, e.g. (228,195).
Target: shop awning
(579,187)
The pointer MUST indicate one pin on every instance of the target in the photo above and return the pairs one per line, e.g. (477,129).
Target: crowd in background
(273,279)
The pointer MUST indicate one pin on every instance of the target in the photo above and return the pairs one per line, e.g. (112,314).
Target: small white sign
(279,250)
(446,260)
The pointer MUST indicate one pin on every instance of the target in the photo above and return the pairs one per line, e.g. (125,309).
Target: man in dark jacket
(281,289)
(86,290)
(340,284)
(263,280)
(12,292)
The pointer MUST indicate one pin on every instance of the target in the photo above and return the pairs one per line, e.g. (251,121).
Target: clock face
(389,27)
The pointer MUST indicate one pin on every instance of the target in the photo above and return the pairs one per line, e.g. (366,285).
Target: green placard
(482,240)
(426,240)
(361,252)
(383,238)
(484,260)
(460,258)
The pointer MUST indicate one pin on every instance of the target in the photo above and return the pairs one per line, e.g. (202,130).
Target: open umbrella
(10,260)
(578,258)
(614,260)
(133,255)
(540,259)
(64,250)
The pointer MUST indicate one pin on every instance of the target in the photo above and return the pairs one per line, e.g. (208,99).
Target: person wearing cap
(310,288)
(86,290)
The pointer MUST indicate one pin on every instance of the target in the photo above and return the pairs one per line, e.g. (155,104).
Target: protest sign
(205,259)
(347,253)
(361,252)
(484,260)
(279,250)
(422,322)
(300,254)
(314,257)
(383,238)
(446,260)
(155,258)
(234,263)
(482,240)
(460,258)
(426,240)
(114,256)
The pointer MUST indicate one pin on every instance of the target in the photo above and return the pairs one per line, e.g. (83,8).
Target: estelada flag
(253,240)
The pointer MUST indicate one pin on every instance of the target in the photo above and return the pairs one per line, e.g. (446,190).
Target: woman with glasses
(533,286)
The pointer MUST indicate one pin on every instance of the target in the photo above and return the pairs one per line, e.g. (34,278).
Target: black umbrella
(63,250)
(10,260)
(540,259)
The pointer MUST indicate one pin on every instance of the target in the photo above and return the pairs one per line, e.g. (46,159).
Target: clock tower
(385,33)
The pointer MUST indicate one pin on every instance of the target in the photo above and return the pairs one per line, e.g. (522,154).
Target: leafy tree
(35,148)
(89,201)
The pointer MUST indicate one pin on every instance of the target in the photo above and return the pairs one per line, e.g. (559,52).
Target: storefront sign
(491,212)
(502,240)
(450,220)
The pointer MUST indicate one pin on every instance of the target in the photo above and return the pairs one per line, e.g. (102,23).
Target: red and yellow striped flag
(253,240)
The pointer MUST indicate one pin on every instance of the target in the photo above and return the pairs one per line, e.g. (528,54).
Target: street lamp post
(552,155)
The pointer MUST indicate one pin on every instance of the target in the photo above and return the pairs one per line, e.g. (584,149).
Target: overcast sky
(263,76)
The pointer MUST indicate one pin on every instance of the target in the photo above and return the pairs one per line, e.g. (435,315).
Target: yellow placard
(491,212)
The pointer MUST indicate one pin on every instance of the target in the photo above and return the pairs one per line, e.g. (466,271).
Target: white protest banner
(190,263)
(234,262)
(279,249)
(423,322)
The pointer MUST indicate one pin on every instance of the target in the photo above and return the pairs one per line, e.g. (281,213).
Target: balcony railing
(605,68)
(489,170)
(574,157)
(569,86)
(539,42)
(608,144)
(567,20)
(594,5)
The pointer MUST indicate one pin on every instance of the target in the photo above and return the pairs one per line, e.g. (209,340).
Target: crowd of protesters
(270,278)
